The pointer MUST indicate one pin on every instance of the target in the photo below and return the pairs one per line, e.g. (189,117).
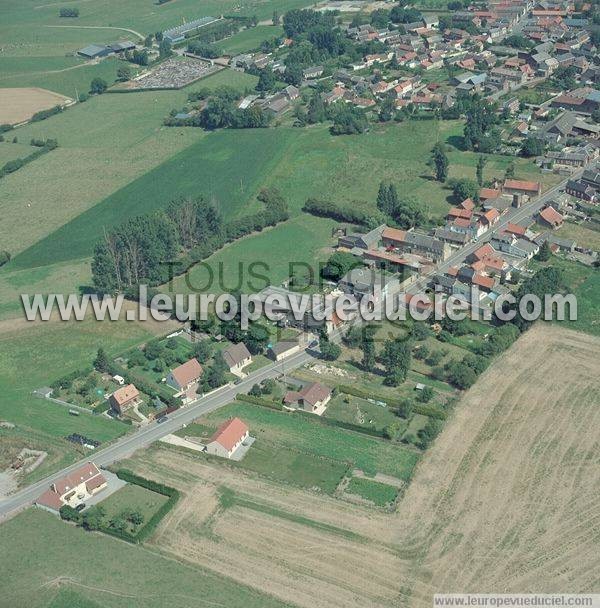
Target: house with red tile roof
(313,398)
(551,217)
(228,438)
(517,186)
(73,489)
(124,398)
(488,193)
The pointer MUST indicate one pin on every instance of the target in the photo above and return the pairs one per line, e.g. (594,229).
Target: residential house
(73,489)
(550,217)
(368,282)
(313,398)
(312,72)
(283,349)
(518,247)
(185,376)
(237,357)
(124,399)
(228,438)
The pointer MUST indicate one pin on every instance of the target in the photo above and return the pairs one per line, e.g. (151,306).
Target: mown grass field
(104,144)
(229,166)
(101,572)
(300,433)
(133,498)
(248,40)
(376,492)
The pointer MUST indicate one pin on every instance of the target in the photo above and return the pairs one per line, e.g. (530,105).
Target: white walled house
(228,438)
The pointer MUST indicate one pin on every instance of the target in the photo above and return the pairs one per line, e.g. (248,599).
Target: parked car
(162,419)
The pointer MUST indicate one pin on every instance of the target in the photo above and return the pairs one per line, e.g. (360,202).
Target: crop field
(249,39)
(378,493)
(506,499)
(19,104)
(85,576)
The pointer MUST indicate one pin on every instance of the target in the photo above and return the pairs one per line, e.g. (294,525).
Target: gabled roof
(229,433)
(125,394)
(487,193)
(552,216)
(235,354)
(188,372)
(517,184)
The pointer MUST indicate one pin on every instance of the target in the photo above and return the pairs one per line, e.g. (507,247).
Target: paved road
(146,435)
(513,215)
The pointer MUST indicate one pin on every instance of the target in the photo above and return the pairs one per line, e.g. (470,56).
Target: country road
(146,435)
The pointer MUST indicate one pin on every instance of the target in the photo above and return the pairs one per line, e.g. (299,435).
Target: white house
(185,376)
(73,489)
(227,438)
(237,357)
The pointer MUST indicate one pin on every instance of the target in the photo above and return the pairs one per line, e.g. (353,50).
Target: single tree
(481,163)
(441,162)
(98,86)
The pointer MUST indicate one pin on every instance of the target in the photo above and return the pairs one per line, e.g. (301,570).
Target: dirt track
(506,500)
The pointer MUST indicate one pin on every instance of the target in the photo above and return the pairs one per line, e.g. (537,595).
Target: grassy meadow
(300,433)
(99,571)
(249,39)
(378,493)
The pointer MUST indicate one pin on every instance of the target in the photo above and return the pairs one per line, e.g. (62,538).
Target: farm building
(178,33)
(237,357)
(95,51)
(124,398)
(185,376)
(228,438)
(516,186)
(549,216)
(73,489)
(313,398)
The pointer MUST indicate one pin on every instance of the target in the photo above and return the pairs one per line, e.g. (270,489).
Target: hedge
(425,410)
(145,531)
(273,405)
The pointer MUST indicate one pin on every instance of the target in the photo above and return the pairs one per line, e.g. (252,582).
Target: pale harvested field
(507,500)
(19,104)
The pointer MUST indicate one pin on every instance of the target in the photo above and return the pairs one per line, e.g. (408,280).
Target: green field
(378,493)
(104,144)
(302,434)
(35,355)
(10,151)
(584,283)
(249,40)
(227,165)
(354,410)
(102,572)
(70,80)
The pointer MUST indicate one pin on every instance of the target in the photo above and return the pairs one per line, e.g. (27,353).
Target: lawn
(102,572)
(229,166)
(300,433)
(354,410)
(584,283)
(131,498)
(249,40)
(227,78)
(583,234)
(378,493)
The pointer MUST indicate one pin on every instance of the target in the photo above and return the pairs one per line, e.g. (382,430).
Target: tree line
(154,247)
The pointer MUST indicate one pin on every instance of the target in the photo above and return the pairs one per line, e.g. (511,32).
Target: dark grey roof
(283,346)
(235,354)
